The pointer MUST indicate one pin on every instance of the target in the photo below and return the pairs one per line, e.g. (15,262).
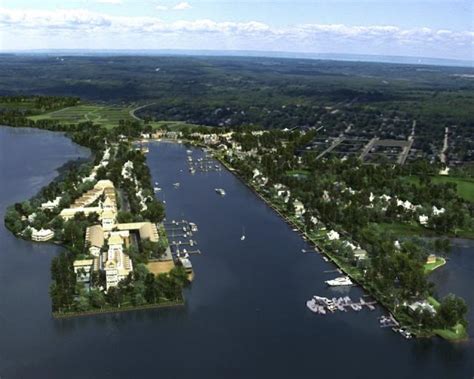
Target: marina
(204,163)
(323,305)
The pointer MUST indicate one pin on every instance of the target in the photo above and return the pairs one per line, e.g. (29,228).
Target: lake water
(245,315)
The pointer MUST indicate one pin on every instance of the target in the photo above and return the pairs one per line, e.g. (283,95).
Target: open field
(465,186)
(175,126)
(105,115)
(159,267)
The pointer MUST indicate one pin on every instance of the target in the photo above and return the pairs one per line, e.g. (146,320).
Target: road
(132,112)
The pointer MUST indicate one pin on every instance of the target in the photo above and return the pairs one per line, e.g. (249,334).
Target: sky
(415,28)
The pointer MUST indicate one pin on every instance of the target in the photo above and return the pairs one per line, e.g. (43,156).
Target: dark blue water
(245,315)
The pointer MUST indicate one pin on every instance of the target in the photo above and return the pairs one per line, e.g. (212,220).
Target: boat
(220,191)
(332,308)
(157,189)
(405,333)
(189,152)
(355,307)
(243,235)
(193,226)
(323,300)
(340,281)
(312,306)
(176,185)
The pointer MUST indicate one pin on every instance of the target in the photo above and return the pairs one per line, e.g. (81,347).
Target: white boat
(340,281)
(220,191)
(189,151)
(193,226)
(176,185)
(323,300)
(157,189)
(243,235)
(312,306)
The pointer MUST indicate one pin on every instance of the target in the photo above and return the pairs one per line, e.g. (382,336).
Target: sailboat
(243,234)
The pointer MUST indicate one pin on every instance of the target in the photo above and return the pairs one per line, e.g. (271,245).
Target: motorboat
(340,281)
(220,191)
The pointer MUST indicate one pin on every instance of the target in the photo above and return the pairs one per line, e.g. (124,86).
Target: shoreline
(321,251)
(169,304)
(306,237)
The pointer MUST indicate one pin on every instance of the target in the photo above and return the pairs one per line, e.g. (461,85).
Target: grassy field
(105,115)
(402,229)
(175,125)
(429,267)
(465,186)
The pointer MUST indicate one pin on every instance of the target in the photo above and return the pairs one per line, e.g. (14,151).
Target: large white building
(116,264)
(41,235)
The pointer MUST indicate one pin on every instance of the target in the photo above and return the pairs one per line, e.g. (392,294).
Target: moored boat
(340,281)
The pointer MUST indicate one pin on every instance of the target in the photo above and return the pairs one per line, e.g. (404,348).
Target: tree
(114,296)
(13,221)
(452,311)
(155,211)
(96,298)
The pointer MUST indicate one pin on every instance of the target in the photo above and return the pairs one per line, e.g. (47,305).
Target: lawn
(402,229)
(105,115)
(456,333)
(175,126)
(429,267)
(465,186)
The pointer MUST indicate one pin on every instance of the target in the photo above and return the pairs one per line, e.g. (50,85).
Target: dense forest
(369,98)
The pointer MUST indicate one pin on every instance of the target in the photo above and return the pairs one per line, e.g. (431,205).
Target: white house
(423,219)
(333,235)
(437,212)
(422,306)
(299,208)
(83,269)
(41,235)
(51,204)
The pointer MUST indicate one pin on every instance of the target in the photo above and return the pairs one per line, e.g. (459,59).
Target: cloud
(160,7)
(79,27)
(114,2)
(182,6)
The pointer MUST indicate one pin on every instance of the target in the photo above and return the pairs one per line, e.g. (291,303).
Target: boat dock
(323,305)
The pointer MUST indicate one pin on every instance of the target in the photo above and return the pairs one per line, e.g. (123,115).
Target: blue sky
(424,28)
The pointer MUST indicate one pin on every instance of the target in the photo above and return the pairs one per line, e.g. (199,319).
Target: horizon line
(369,58)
